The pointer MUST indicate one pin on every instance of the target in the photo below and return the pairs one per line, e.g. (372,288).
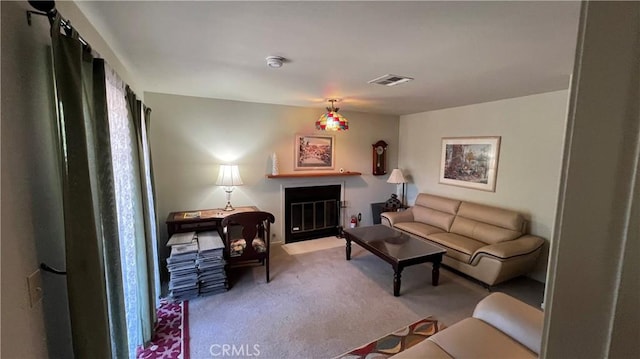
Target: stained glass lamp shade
(332,120)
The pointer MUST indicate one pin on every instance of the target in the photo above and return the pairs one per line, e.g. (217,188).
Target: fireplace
(311,212)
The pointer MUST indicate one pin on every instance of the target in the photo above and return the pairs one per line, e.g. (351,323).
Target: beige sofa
(487,243)
(501,327)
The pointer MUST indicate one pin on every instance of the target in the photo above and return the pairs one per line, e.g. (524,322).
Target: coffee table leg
(435,272)
(348,249)
(397,273)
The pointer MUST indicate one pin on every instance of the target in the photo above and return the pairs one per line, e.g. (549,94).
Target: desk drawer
(207,224)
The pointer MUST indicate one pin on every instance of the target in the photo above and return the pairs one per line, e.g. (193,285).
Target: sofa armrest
(391,218)
(521,246)
(518,320)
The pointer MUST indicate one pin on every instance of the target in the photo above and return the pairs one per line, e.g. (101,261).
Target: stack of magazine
(210,263)
(183,280)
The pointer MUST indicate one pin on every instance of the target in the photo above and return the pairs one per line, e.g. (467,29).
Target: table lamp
(397,177)
(229,177)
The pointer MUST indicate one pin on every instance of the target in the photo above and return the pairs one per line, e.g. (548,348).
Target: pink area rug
(171,334)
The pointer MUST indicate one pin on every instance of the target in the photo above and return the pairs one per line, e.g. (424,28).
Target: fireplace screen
(311,216)
(311,212)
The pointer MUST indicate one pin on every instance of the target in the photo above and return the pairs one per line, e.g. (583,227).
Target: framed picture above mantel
(314,152)
(470,162)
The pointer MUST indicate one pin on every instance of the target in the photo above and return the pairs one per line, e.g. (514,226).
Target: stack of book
(210,263)
(183,280)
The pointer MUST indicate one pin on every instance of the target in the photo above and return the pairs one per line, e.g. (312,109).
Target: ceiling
(458,52)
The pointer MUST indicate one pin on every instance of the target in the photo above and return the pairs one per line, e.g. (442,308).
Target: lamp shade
(332,120)
(229,176)
(396,177)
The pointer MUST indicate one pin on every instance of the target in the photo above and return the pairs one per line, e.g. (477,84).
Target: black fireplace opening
(311,212)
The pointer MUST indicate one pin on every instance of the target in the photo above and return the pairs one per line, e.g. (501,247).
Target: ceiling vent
(390,80)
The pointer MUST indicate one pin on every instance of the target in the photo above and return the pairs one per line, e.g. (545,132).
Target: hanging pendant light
(332,120)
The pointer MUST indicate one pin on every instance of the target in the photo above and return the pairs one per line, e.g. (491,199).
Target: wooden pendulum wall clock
(379,158)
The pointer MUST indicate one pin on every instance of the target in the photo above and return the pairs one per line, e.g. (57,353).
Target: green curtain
(144,252)
(89,216)
(104,321)
(152,240)
(105,189)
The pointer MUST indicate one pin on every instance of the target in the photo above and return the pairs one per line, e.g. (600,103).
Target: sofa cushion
(457,246)
(483,232)
(499,217)
(442,204)
(473,338)
(432,217)
(417,228)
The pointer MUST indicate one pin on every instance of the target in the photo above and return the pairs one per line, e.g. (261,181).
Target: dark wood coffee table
(397,248)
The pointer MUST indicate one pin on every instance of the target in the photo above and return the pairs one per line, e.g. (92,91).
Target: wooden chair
(246,236)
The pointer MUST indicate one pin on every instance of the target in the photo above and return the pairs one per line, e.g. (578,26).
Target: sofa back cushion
(442,204)
(487,224)
(435,211)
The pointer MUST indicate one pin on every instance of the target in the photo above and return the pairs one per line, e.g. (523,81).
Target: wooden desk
(200,219)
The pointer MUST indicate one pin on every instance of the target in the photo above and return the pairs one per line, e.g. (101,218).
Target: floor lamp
(397,177)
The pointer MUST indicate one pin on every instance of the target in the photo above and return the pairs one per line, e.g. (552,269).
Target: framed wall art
(314,152)
(470,162)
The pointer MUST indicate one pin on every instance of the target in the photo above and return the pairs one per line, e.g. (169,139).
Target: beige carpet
(319,305)
(313,245)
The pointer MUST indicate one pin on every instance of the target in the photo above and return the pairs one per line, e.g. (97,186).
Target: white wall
(593,289)
(191,137)
(532,132)
(71,11)
(32,228)
(32,223)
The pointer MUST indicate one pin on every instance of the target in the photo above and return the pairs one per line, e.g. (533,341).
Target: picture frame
(314,152)
(470,162)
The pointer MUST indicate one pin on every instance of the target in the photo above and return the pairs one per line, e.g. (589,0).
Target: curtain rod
(64,23)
